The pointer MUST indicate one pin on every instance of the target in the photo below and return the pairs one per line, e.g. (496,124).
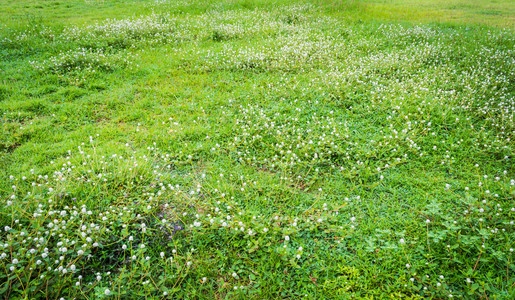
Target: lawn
(239,149)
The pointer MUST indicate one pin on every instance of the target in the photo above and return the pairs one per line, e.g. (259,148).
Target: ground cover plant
(257,149)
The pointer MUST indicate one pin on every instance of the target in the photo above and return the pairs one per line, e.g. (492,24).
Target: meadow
(237,149)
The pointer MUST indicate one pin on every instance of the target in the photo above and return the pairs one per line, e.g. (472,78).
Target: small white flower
(286,238)
(107,292)
(234,275)
(401,241)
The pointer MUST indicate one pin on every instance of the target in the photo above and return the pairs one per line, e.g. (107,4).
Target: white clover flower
(286,238)
(401,241)
(107,292)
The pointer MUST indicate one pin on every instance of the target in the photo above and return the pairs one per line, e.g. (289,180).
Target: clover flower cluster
(56,236)
(84,60)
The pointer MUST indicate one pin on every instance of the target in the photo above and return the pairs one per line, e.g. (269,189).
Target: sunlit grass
(249,149)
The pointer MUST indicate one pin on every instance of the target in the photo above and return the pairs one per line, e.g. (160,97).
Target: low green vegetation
(257,149)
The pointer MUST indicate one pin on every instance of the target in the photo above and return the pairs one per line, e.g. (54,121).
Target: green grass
(257,149)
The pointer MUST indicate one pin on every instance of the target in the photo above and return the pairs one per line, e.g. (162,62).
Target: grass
(257,149)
